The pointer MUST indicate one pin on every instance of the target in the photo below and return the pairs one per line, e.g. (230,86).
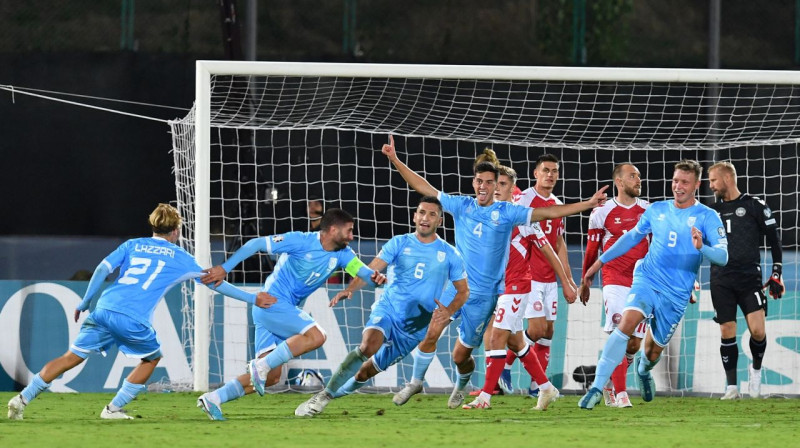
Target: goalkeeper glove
(775,283)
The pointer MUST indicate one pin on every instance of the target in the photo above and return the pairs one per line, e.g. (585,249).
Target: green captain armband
(357,268)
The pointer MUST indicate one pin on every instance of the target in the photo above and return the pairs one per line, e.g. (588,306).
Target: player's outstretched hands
(214,275)
(78,314)
(600,197)
(265,300)
(388,149)
(697,238)
(341,295)
(441,315)
(776,288)
(377,278)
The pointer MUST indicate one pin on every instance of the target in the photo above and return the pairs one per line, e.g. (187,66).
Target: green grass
(361,421)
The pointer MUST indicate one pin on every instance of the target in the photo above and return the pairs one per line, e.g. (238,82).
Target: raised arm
(376,265)
(217,274)
(415,181)
(559,211)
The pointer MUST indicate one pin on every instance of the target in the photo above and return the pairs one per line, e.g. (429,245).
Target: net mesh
(280,143)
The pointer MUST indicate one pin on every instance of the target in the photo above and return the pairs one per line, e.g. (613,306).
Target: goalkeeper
(746,220)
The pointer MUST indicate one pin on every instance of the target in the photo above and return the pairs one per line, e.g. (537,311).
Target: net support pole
(202,244)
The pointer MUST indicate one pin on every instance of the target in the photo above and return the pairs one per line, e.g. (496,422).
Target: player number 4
(478,230)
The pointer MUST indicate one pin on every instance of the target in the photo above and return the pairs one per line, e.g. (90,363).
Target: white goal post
(256,124)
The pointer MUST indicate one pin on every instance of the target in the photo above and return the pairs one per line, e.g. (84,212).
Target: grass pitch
(171,420)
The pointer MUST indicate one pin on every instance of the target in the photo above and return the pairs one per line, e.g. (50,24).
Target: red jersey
(524,240)
(606,225)
(515,194)
(541,271)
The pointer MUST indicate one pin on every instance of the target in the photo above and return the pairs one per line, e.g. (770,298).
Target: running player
(284,330)
(683,232)
(423,263)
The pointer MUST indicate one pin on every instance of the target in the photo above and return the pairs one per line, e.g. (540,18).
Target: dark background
(76,171)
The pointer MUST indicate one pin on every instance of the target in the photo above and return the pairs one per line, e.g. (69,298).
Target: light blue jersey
(149,267)
(483,235)
(672,261)
(421,271)
(303,266)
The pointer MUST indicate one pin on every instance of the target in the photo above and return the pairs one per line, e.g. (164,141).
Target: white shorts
(614,297)
(508,315)
(543,301)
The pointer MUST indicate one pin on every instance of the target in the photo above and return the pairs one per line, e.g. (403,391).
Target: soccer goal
(266,140)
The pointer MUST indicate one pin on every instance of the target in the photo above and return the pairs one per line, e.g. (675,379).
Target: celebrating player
(284,330)
(683,231)
(123,315)
(747,220)
(506,327)
(483,231)
(606,225)
(422,263)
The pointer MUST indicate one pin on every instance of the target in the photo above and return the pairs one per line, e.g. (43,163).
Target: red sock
(534,368)
(493,371)
(510,357)
(543,353)
(618,376)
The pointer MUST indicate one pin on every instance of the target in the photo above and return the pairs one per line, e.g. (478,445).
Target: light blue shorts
(663,313)
(278,323)
(397,343)
(103,329)
(475,315)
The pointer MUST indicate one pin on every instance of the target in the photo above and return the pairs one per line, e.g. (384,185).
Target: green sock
(352,362)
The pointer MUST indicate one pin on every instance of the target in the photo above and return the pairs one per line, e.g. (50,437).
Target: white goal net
(267,140)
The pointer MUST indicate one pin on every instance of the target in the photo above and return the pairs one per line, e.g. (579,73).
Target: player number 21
(138,267)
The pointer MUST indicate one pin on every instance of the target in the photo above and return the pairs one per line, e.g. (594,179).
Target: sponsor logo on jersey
(617,220)
(277,238)
(407,251)
(495,215)
(332,263)
(661,217)
(690,222)
(440,256)
(740,212)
